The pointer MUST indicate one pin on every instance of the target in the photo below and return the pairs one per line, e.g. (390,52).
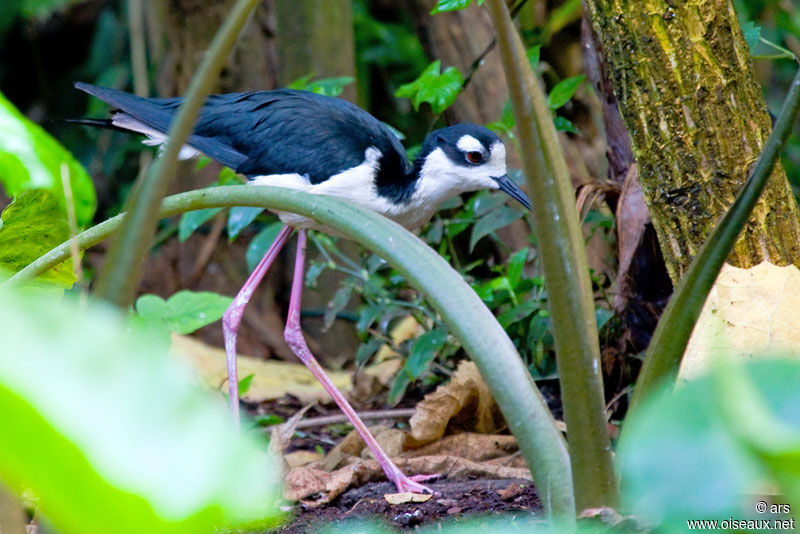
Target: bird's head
(462,158)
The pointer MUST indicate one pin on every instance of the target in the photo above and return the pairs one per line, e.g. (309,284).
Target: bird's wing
(157,113)
(273,132)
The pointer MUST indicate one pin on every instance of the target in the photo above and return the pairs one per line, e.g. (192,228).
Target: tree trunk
(684,80)
(316,38)
(188,27)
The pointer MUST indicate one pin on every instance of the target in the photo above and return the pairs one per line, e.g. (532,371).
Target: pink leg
(294,337)
(233,316)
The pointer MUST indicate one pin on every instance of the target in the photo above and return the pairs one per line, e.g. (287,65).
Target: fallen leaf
(749,313)
(301,458)
(271,379)
(315,486)
(465,401)
(406,497)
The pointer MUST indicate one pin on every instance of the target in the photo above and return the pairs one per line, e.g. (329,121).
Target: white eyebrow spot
(467,143)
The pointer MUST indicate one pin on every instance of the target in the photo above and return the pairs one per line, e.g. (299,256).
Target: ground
(459,500)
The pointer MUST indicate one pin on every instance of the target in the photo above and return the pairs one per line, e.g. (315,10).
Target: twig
(339,418)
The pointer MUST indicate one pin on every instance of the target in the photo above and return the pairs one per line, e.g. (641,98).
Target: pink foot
(405,483)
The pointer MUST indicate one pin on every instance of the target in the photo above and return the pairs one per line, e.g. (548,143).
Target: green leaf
(261,243)
(329,86)
(424,350)
(565,125)
(245,383)
(602,316)
(185,311)
(533,53)
(193,220)
(752,33)
(518,313)
(366,350)
(700,450)
(337,304)
(438,90)
(239,218)
(494,220)
(398,389)
(31,159)
(31,225)
(451,5)
(43,9)
(107,432)
(515,265)
(563,91)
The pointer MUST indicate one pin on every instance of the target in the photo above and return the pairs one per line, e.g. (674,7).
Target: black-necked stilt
(326,146)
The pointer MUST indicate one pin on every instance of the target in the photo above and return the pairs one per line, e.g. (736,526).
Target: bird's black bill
(511,189)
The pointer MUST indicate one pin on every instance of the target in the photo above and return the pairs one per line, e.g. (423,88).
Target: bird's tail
(98,123)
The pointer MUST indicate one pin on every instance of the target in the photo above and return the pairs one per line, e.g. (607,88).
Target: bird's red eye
(474,156)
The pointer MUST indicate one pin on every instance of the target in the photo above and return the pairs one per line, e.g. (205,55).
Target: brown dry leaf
(406,497)
(301,458)
(315,486)
(271,379)
(465,400)
(749,313)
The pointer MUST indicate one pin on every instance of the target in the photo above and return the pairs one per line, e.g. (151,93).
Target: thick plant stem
(120,278)
(461,309)
(564,262)
(672,333)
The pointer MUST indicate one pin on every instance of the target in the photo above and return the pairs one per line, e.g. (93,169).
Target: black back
(275,132)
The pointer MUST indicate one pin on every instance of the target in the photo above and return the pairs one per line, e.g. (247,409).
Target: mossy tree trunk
(684,79)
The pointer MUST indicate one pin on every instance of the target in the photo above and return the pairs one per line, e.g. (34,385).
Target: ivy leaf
(31,159)
(192,220)
(261,243)
(32,225)
(239,218)
(497,218)
(563,91)
(443,6)
(439,90)
(424,350)
(515,265)
(185,311)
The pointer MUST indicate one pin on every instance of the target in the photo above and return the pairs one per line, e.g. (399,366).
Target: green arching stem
(120,278)
(460,308)
(565,266)
(677,322)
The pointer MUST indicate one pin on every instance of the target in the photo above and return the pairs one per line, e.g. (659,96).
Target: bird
(320,145)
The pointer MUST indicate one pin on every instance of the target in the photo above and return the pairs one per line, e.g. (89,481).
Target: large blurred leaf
(710,448)
(32,225)
(185,311)
(439,90)
(111,436)
(31,159)
(563,91)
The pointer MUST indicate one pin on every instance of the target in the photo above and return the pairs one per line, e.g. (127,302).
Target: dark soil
(459,500)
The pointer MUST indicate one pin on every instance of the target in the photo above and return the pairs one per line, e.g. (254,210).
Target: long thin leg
(233,316)
(294,337)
